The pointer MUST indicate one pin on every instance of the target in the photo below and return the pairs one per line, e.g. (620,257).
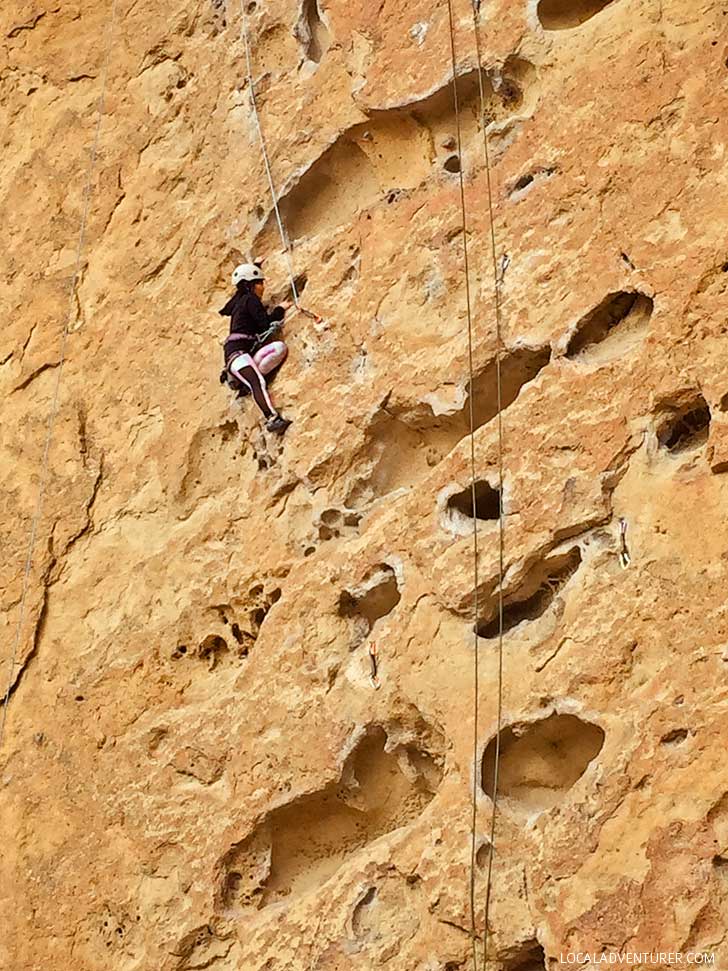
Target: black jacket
(247,316)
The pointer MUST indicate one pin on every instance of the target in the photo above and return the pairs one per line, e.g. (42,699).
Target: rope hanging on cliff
(91,168)
(501,518)
(266,162)
(501,527)
(471,369)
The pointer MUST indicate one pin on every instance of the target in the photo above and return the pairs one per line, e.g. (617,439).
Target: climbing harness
(498,274)
(374,660)
(91,168)
(259,340)
(268,171)
(624,558)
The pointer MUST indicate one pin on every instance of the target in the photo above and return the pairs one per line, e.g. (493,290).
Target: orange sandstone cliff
(196,771)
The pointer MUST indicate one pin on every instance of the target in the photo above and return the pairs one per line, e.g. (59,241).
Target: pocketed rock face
(191,693)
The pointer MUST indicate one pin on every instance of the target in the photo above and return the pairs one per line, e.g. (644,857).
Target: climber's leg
(271,356)
(244,368)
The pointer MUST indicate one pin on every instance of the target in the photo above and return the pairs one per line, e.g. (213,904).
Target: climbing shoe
(278,424)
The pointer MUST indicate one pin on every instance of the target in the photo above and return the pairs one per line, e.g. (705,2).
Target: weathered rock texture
(196,771)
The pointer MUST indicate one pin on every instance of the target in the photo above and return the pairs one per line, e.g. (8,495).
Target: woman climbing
(249,354)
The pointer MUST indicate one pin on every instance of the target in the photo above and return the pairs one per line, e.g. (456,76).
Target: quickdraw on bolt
(373,658)
(309,313)
(624,558)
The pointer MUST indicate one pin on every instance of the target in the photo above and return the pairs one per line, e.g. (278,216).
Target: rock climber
(250,353)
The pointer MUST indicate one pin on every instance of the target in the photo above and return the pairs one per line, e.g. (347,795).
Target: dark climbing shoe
(279,424)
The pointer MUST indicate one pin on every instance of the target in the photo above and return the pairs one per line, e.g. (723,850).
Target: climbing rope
(266,162)
(91,168)
(471,369)
(501,517)
(501,526)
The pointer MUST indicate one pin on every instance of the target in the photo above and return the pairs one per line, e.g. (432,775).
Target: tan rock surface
(196,772)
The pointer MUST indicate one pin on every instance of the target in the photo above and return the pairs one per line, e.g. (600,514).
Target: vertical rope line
(266,160)
(476,667)
(501,517)
(91,168)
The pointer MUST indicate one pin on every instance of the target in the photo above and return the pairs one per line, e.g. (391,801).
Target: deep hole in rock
(337,522)
(452,164)
(539,174)
(529,956)
(377,598)
(299,846)
(518,368)
(535,595)
(509,91)
(313,32)
(686,426)
(675,737)
(540,761)
(358,916)
(625,314)
(487,502)
(258,614)
(483,856)
(212,648)
(301,283)
(563,14)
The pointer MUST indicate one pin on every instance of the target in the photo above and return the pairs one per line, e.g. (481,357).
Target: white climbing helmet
(247,272)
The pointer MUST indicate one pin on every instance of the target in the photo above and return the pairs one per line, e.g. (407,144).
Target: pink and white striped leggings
(252,368)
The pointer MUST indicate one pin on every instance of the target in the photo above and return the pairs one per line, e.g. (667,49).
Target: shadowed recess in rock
(563,14)
(404,448)
(540,761)
(375,598)
(518,367)
(395,149)
(235,628)
(528,179)
(613,327)
(201,948)
(334,523)
(526,956)
(685,426)
(675,737)
(487,502)
(312,32)
(534,596)
(299,846)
